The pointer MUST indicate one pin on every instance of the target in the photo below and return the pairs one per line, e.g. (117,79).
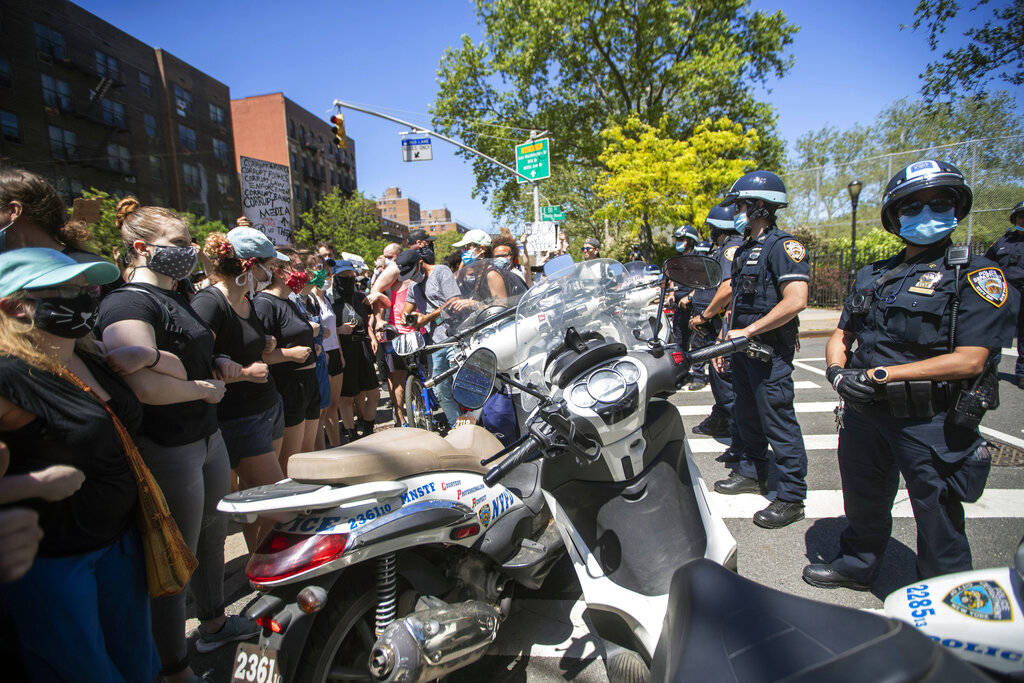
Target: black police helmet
(924,175)
(720,218)
(1017,209)
(686,232)
(763,185)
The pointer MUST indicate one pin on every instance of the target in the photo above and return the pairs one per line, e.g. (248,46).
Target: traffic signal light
(339,131)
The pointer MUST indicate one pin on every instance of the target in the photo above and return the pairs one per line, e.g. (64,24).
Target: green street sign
(533,160)
(552,213)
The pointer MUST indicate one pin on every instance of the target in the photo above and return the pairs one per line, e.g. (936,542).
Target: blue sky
(851,61)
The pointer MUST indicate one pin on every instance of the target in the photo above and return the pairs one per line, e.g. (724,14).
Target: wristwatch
(879,375)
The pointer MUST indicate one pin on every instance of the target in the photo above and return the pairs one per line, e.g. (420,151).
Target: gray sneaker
(235,628)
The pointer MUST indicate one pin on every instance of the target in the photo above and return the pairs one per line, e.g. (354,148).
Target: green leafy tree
(350,222)
(994,49)
(106,235)
(655,183)
(576,67)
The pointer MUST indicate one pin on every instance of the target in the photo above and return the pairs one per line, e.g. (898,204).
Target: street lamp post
(854,189)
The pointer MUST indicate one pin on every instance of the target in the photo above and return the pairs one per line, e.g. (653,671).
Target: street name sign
(552,213)
(533,160)
(417,149)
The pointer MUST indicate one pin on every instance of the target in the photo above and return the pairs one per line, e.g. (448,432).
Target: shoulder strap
(165,315)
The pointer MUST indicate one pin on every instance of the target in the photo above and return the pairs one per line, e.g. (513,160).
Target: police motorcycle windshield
(588,297)
(485,290)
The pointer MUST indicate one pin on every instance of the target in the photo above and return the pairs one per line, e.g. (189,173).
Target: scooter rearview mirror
(694,271)
(474,381)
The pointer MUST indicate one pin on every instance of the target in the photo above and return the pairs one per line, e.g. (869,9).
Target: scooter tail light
(283,555)
(678,357)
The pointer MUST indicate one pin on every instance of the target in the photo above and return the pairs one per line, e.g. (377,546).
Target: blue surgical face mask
(739,221)
(927,227)
(468,257)
(681,247)
(1018,228)
(502,262)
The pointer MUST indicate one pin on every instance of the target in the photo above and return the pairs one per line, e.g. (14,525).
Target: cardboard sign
(543,236)
(266,198)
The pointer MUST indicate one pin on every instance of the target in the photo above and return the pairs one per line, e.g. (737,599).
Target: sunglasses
(589,248)
(938,205)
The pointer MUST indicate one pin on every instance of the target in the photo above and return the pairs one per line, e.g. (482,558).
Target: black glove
(852,385)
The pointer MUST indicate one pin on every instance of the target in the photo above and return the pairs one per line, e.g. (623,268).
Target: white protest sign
(543,236)
(266,198)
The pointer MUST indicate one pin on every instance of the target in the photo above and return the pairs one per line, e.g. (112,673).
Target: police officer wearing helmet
(926,323)
(706,321)
(769,289)
(686,237)
(1008,252)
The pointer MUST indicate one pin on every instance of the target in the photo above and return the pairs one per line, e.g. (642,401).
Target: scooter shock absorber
(387,592)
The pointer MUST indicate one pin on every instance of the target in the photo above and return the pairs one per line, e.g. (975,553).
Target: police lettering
(417,493)
(988,650)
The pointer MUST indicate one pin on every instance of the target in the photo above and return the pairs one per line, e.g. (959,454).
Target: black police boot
(737,483)
(823,576)
(349,435)
(728,456)
(696,385)
(363,427)
(779,514)
(715,424)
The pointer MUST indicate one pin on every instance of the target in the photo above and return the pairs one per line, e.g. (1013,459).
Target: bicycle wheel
(417,411)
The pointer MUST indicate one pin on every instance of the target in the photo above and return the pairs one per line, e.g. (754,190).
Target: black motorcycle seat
(722,627)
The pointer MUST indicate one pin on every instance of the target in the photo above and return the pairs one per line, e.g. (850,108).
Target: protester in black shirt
(181,441)
(251,413)
(360,390)
(83,607)
(292,363)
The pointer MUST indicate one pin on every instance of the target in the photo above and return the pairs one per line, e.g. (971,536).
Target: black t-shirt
(73,428)
(241,339)
(354,309)
(284,320)
(180,331)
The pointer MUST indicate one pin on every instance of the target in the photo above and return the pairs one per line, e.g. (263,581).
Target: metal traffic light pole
(536,191)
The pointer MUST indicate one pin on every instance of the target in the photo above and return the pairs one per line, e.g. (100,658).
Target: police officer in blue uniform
(769,289)
(927,324)
(1008,252)
(685,239)
(706,319)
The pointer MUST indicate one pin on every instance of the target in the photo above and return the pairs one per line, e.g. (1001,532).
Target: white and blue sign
(416,149)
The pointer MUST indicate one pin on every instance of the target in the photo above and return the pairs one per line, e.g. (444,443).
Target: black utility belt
(917,399)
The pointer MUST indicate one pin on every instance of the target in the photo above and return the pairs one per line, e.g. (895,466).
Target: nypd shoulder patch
(794,250)
(990,284)
(730,253)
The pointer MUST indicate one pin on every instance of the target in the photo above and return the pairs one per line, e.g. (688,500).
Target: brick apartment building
(87,105)
(407,212)
(273,128)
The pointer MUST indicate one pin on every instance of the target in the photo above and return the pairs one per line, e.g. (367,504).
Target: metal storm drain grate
(1005,455)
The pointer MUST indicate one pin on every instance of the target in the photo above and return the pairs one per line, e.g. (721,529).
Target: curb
(813,334)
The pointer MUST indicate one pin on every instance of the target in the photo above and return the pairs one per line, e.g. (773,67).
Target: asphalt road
(546,638)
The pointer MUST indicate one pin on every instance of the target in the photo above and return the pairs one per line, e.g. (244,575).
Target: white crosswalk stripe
(995,503)
(801,407)
(812,442)
(802,384)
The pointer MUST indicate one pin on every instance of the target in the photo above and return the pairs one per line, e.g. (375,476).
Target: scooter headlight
(606,386)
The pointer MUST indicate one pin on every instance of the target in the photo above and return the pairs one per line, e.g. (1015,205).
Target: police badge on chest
(926,283)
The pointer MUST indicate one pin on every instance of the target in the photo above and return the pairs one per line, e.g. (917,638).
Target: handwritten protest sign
(543,236)
(266,198)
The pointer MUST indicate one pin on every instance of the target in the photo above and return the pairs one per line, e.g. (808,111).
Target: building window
(77,188)
(6,78)
(220,149)
(156,167)
(187,137)
(302,133)
(190,175)
(294,161)
(108,66)
(146,83)
(50,41)
(63,143)
(56,93)
(308,202)
(332,176)
(217,114)
(113,113)
(182,101)
(291,128)
(9,126)
(118,158)
(298,191)
(150,121)
(223,183)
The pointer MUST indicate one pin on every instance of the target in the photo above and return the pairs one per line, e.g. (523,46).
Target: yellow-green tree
(654,182)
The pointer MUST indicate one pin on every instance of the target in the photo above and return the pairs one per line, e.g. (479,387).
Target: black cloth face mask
(67,317)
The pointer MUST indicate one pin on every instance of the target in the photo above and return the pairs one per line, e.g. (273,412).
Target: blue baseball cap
(38,268)
(344,266)
(251,243)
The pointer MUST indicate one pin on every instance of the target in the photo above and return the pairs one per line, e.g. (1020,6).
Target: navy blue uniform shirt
(724,255)
(1008,254)
(760,267)
(902,314)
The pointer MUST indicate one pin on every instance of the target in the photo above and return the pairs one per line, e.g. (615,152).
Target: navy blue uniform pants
(873,452)
(681,328)
(1019,369)
(721,383)
(763,414)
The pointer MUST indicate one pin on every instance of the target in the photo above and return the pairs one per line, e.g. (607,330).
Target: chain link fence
(820,203)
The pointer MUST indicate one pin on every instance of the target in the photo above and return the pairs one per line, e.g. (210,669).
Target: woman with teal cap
(83,607)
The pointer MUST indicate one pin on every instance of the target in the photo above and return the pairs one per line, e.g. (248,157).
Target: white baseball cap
(474,237)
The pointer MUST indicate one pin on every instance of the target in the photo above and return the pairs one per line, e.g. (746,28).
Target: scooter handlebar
(429,384)
(714,350)
(521,451)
